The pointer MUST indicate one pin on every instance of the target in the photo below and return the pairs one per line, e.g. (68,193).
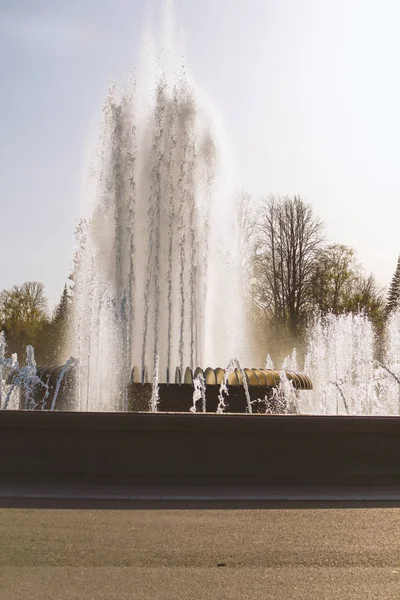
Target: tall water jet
(157,250)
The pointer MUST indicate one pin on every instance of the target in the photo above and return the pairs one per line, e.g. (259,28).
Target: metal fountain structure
(234,389)
(259,386)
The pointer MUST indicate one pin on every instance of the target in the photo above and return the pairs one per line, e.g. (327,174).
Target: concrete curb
(198,493)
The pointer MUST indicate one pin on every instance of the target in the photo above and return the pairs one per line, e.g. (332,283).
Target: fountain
(157,282)
(157,248)
(158,293)
(233,389)
(341,361)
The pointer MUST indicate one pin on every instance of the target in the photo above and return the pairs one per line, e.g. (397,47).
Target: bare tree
(289,238)
(245,223)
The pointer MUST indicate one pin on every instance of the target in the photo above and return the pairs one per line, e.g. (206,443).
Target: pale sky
(309,92)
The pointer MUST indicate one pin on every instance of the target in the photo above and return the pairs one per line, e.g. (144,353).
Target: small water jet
(347,377)
(235,369)
(71,362)
(155,389)
(199,393)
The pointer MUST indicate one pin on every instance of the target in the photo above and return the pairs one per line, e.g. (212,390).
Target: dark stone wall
(185,448)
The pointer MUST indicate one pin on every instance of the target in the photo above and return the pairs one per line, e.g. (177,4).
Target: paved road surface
(161,554)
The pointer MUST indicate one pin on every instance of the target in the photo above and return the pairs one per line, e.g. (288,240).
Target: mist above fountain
(156,262)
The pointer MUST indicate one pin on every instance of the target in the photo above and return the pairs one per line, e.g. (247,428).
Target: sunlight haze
(308,91)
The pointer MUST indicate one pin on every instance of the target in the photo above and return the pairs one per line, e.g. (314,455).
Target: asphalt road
(202,553)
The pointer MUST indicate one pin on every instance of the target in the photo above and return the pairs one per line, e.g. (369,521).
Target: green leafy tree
(24,317)
(368,297)
(339,285)
(334,278)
